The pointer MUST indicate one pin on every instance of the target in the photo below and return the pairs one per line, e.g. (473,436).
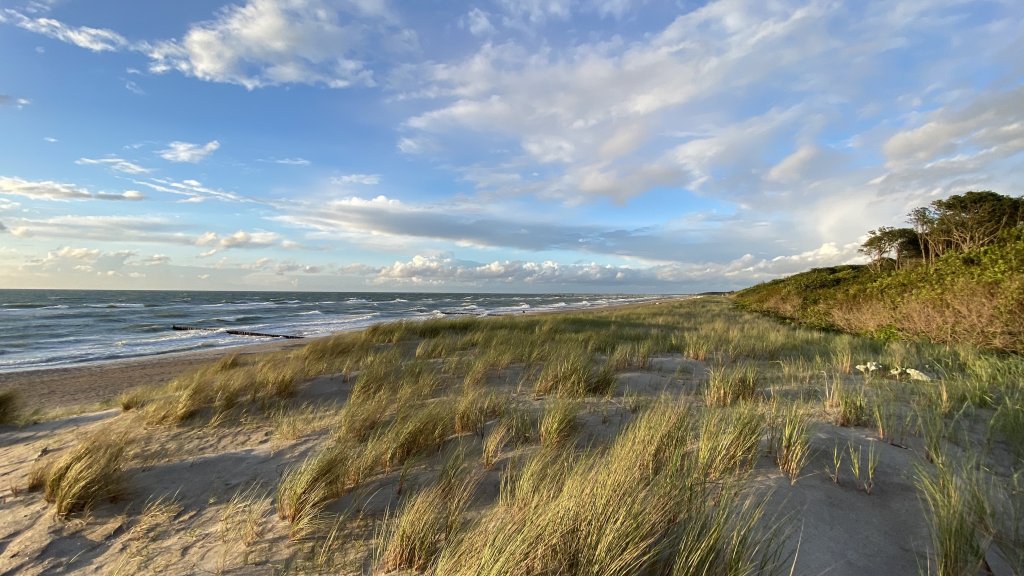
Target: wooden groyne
(235,332)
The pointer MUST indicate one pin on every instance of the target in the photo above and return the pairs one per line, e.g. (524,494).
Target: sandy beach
(86,385)
(244,470)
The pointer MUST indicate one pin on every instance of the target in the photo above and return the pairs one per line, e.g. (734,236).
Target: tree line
(956,224)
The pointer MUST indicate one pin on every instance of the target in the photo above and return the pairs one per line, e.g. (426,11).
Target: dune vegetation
(956,277)
(664,438)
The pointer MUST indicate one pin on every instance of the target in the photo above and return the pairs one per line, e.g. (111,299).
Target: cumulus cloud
(188,152)
(677,277)
(267,43)
(49,190)
(117,164)
(477,22)
(240,239)
(83,260)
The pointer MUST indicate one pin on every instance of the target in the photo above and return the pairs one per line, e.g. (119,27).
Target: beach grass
(92,471)
(9,407)
(621,441)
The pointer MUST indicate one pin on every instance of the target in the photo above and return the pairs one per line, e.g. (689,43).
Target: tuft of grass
(1008,421)
(494,442)
(844,406)
(8,406)
(93,470)
(631,355)
(559,422)
(306,488)
(220,387)
(731,383)
(415,535)
(243,518)
(792,443)
(573,375)
(960,518)
(475,408)
(415,431)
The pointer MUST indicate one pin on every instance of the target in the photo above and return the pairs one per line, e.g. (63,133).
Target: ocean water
(50,328)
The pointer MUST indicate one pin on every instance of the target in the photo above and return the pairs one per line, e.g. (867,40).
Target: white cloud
(389,224)
(240,239)
(79,259)
(19,103)
(118,164)
(49,190)
(188,152)
(267,43)
(477,22)
(134,88)
(156,260)
(193,190)
(287,161)
(366,179)
(794,166)
(50,139)
(95,39)
(147,229)
(535,11)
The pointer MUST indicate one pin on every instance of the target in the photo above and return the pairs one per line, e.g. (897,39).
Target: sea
(54,328)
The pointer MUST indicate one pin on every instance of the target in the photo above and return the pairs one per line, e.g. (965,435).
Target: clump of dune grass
(573,375)
(1008,422)
(729,442)
(559,422)
(222,386)
(522,425)
(8,406)
(92,471)
(731,383)
(135,398)
(641,506)
(306,488)
(959,516)
(494,442)
(792,447)
(475,408)
(415,431)
(425,523)
(630,355)
(845,407)
(334,354)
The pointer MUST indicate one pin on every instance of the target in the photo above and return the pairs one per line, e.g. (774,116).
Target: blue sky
(514,145)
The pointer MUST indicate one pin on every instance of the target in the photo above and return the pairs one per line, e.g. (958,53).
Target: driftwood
(235,332)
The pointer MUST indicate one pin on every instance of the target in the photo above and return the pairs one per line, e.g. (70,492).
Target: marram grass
(92,471)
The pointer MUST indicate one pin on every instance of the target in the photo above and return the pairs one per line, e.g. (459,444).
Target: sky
(621,146)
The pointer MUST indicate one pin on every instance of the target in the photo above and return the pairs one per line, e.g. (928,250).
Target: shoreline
(84,386)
